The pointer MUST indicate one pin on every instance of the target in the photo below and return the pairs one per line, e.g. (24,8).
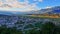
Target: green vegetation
(38,25)
(33,31)
(29,26)
(46,28)
(5,30)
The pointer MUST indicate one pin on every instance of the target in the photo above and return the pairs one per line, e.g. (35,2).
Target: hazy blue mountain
(53,10)
(6,13)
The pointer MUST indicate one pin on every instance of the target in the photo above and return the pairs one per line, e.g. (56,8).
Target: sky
(27,5)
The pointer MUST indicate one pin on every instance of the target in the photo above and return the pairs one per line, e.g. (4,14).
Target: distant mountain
(52,10)
(6,13)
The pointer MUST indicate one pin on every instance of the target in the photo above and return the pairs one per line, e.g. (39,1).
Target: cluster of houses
(21,22)
(8,20)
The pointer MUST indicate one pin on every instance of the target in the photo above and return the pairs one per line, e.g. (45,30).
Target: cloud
(48,7)
(9,4)
(40,0)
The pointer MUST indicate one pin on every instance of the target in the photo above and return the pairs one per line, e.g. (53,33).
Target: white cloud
(40,0)
(9,4)
(48,7)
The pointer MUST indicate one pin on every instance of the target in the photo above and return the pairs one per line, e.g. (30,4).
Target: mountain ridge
(52,10)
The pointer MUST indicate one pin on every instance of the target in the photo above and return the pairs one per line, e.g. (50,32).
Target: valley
(42,21)
(26,23)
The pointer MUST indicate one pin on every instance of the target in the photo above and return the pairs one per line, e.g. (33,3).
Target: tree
(48,28)
(33,31)
(57,30)
(5,30)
